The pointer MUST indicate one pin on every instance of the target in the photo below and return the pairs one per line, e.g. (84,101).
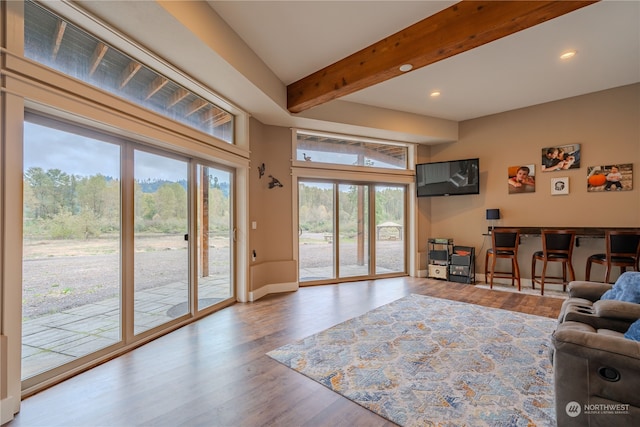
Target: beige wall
(607,126)
(271,209)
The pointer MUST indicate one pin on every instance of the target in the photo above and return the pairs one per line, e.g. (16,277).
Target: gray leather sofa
(596,369)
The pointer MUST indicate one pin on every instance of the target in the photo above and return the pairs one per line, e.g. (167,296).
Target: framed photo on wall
(561,158)
(610,177)
(522,179)
(560,186)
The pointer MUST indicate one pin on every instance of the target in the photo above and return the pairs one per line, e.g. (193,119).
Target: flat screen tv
(450,178)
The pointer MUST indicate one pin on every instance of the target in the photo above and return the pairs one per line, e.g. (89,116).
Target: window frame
(410,154)
(104,33)
(28,86)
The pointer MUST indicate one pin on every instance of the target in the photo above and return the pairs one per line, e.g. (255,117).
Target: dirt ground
(61,274)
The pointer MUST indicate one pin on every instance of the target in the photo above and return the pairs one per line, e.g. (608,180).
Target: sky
(49,148)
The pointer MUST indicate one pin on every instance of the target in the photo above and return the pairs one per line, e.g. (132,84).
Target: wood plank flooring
(215,372)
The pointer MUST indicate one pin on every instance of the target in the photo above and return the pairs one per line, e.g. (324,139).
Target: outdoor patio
(52,340)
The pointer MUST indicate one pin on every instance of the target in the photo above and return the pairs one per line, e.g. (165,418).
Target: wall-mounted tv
(448,178)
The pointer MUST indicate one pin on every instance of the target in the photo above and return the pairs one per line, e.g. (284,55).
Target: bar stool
(623,250)
(504,244)
(557,246)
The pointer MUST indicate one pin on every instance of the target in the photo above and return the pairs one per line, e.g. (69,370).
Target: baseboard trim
(7,407)
(273,288)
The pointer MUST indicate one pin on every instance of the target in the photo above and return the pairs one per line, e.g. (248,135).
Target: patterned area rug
(423,361)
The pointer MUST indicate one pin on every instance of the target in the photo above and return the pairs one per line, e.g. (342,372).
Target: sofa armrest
(591,291)
(589,344)
(614,309)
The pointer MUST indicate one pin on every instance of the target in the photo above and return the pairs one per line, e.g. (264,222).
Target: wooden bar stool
(623,250)
(504,244)
(557,246)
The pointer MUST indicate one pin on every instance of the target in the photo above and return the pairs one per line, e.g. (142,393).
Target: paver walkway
(52,340)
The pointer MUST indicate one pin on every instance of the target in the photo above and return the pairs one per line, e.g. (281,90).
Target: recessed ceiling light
(568,54)
(406,67)
(435,94)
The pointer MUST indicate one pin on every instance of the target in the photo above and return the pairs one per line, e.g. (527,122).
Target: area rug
(423,361)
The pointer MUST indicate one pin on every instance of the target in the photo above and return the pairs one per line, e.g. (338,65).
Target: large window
(349,230)
(352,206)
(122,185)
(58,44)
(71,249)
(349,151)
(101,268)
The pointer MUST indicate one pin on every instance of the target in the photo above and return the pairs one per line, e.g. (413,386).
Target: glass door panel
(353,229)
(71,260)
(215,236)
(390,214)
(316,251)
(161,259)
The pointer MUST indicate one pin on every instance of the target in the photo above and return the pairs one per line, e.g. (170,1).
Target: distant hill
(151,186)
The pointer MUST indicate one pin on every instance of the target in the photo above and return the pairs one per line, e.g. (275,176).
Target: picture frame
(560,186)
(610,178)
(521,179)
(560,157)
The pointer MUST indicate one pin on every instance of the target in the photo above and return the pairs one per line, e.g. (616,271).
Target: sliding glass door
(350,230)
(390,231)
(71,247)
(108,256)
(353,226)
(215,235)
(161,227)
(316,250)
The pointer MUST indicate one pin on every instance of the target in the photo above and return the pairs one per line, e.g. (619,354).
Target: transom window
(351,151)
(58,44)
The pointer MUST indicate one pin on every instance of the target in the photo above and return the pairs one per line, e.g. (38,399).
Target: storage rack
(462,265)
(439,252)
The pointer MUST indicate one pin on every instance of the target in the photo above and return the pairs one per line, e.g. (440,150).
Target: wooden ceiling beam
(177,96)
(195,106)
(61,26)
(98,54)
(157,84)
(459,28)
(128,73)
(219,117)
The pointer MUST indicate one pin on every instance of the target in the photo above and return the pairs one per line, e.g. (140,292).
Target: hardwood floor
(215,372)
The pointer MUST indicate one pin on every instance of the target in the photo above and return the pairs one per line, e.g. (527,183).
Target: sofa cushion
(633,333)
(626,288)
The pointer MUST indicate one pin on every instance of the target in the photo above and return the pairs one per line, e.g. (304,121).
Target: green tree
(92,193)
(171,201)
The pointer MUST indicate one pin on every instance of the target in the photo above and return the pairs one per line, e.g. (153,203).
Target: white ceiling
(296,38)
